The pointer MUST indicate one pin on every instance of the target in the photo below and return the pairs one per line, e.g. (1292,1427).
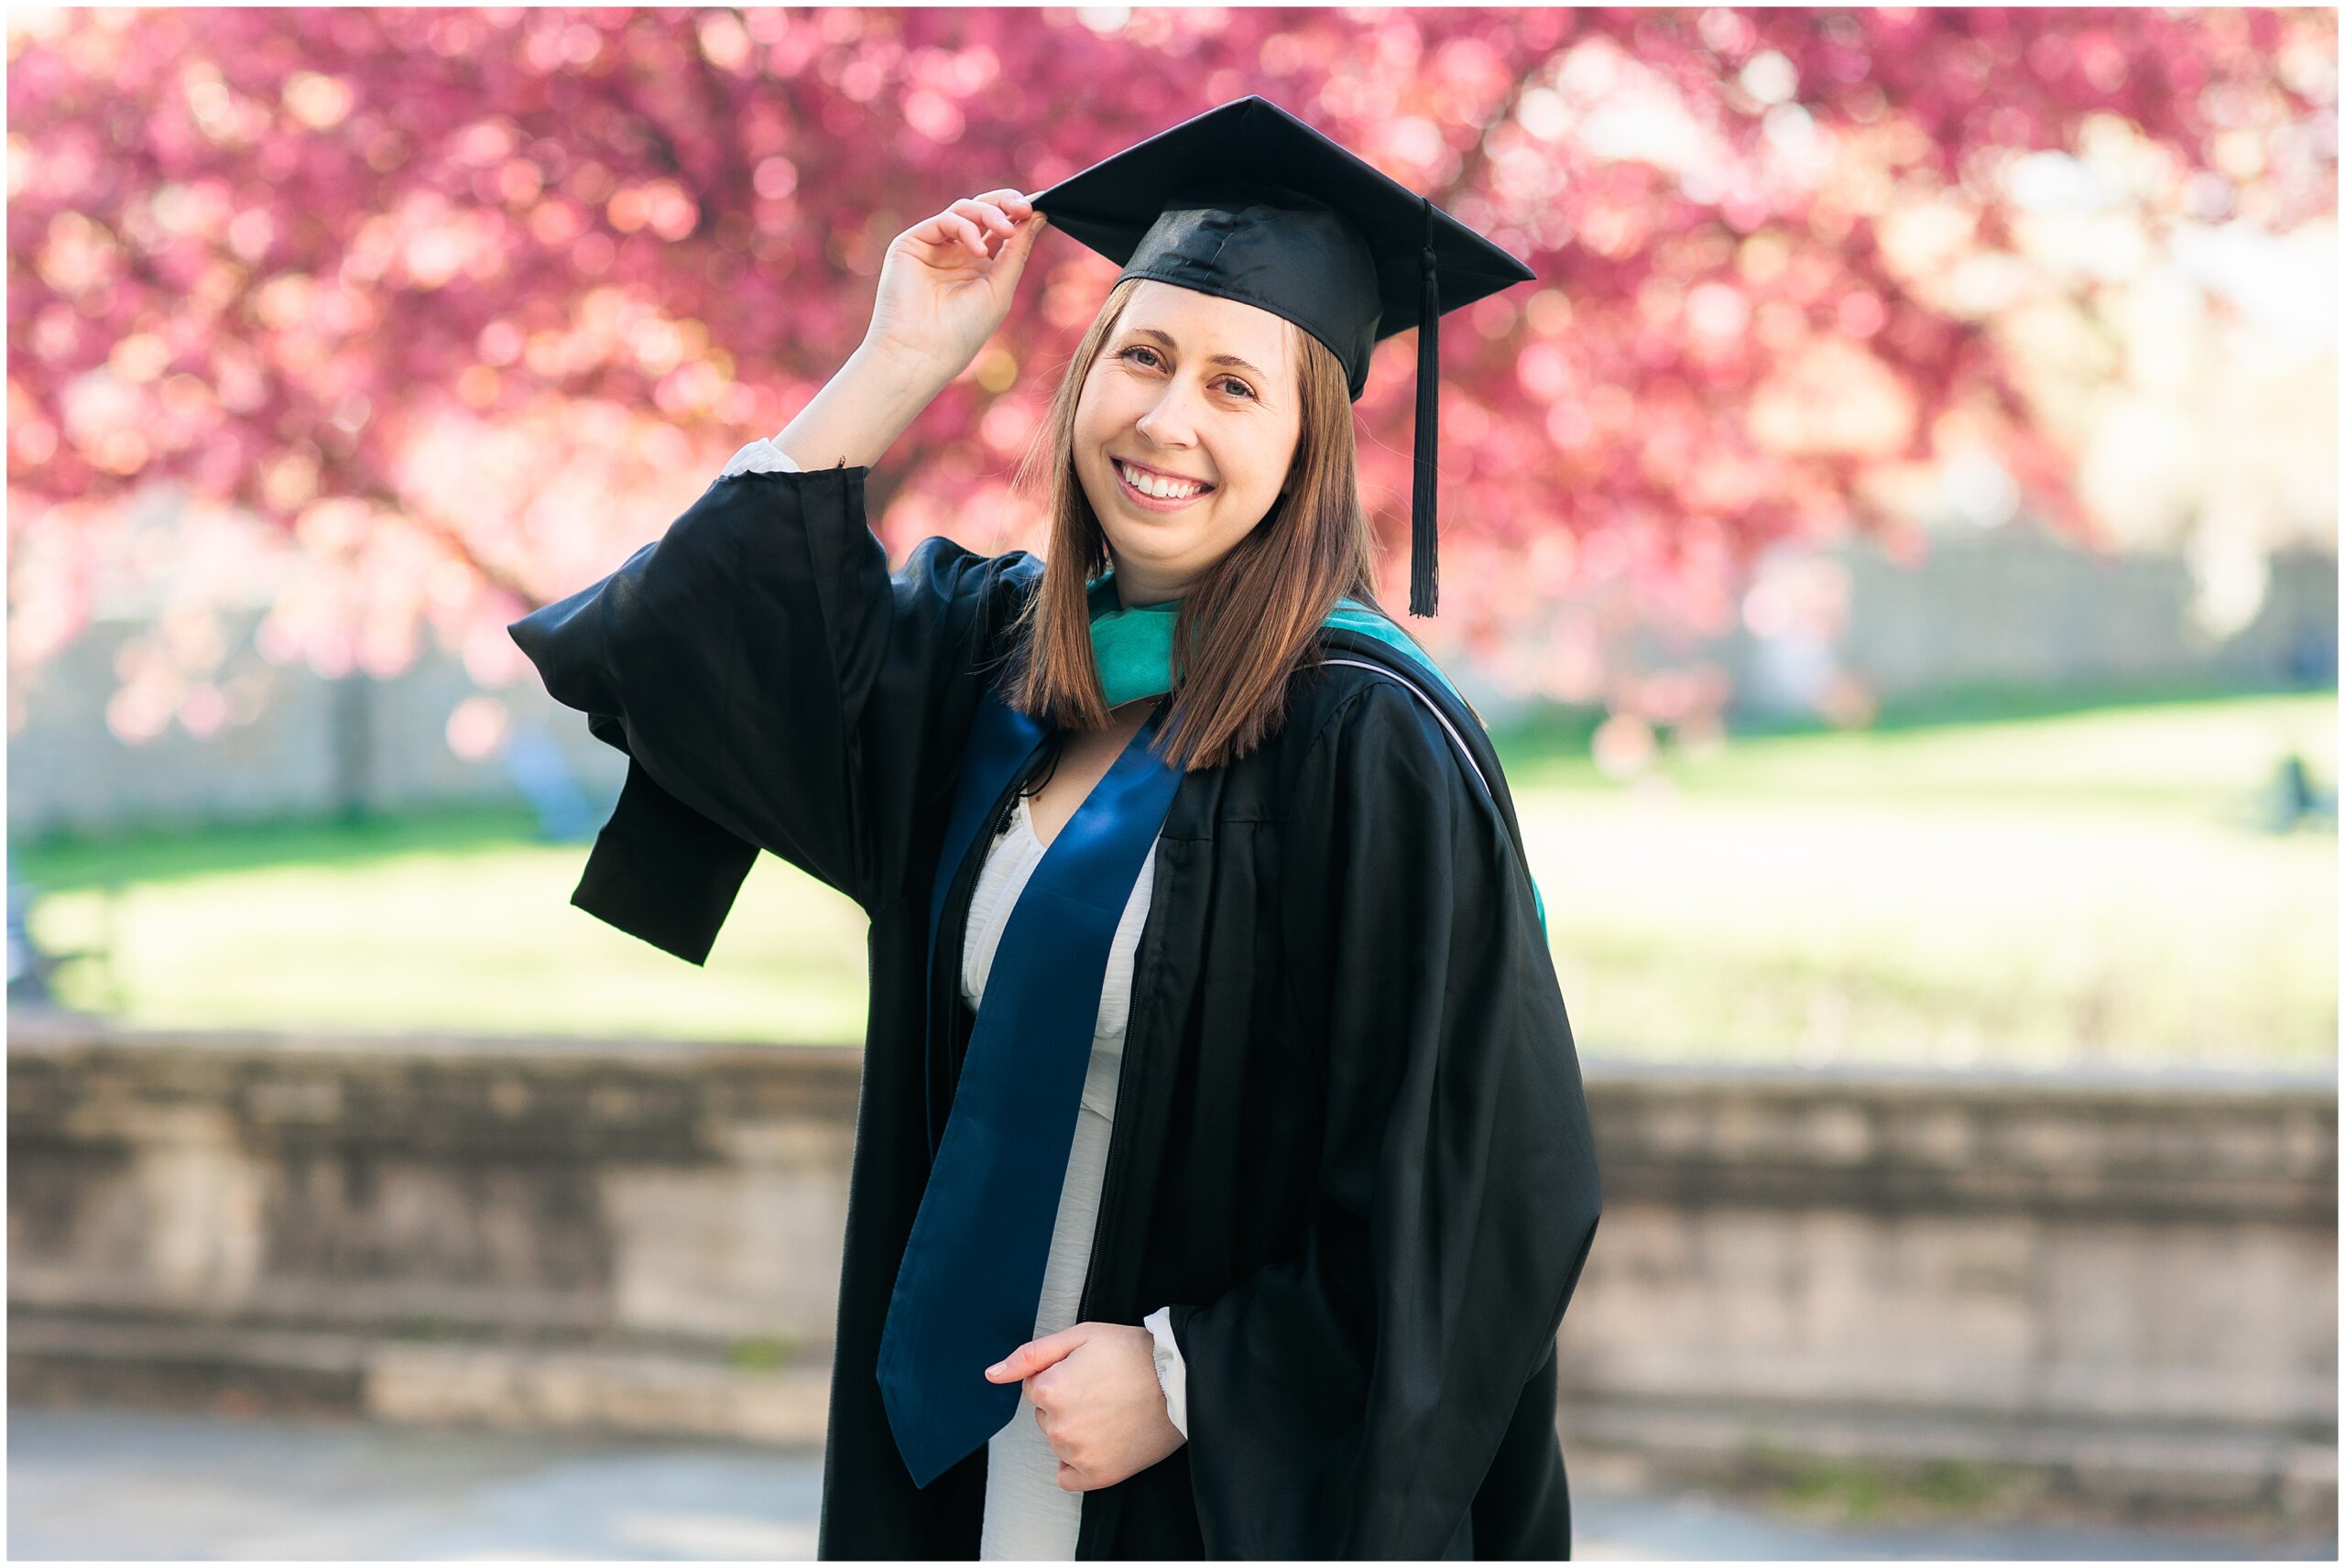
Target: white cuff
(1172,1372)
(760,456)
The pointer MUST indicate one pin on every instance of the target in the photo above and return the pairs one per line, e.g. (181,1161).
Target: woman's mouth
(1147,502)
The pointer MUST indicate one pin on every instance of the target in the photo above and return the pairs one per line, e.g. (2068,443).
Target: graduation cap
(1247,202)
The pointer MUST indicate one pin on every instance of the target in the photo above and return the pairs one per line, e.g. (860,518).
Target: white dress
(1028,1515)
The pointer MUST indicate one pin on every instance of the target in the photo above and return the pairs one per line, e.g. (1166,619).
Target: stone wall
(2129,1280)
(2125,1284)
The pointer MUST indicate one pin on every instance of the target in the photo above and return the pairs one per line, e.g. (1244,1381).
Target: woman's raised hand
(947,281)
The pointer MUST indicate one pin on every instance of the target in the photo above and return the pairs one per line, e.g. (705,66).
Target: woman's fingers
(976,220)
(1010,205)
(1008,200)
(951,228)
(968,230)
(984,211)
(983,226)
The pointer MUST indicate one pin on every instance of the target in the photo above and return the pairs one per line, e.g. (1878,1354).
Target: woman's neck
(1133,592)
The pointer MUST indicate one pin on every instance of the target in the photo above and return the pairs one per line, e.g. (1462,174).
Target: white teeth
(1163,489)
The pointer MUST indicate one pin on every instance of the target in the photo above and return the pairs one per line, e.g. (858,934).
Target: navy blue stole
(971,1280)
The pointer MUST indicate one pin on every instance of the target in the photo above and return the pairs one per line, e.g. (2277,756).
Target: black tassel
(1424,576)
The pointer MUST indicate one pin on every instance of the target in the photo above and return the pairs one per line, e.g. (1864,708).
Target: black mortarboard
(1247,202)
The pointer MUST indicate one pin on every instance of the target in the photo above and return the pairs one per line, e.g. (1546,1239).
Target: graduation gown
(1350,1145)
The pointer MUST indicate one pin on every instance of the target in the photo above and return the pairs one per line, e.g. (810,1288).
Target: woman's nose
(1169,422)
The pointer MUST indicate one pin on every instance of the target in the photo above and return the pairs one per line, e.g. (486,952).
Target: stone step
(514,1387)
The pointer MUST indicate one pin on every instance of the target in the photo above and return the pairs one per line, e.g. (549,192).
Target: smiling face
(1197,389)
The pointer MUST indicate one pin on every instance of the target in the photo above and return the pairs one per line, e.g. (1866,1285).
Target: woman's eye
(1227,380)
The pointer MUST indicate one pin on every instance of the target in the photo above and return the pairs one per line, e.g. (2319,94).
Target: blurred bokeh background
(1893,542)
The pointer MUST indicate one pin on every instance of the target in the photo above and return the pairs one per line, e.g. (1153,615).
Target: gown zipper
(1119,1134)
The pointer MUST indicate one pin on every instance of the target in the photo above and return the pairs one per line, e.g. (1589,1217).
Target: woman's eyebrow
(1166,339)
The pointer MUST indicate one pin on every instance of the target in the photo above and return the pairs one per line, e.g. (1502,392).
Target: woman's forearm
(858,414)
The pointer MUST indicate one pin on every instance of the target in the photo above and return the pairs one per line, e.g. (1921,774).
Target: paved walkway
(116,1483)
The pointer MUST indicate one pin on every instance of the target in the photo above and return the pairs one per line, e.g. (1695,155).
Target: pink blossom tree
(462,304)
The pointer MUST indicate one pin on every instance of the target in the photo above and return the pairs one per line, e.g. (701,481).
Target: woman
(1264,920)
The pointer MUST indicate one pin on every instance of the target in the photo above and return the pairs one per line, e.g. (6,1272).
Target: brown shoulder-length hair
(1247,623)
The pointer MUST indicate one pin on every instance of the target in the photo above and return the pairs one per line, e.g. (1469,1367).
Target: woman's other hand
(947,281)
(1095,1393)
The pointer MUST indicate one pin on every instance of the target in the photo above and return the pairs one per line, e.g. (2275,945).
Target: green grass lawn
(2074,886)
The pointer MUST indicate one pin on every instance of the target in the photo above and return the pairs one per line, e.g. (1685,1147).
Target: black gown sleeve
(775,687)
(1348,1401)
